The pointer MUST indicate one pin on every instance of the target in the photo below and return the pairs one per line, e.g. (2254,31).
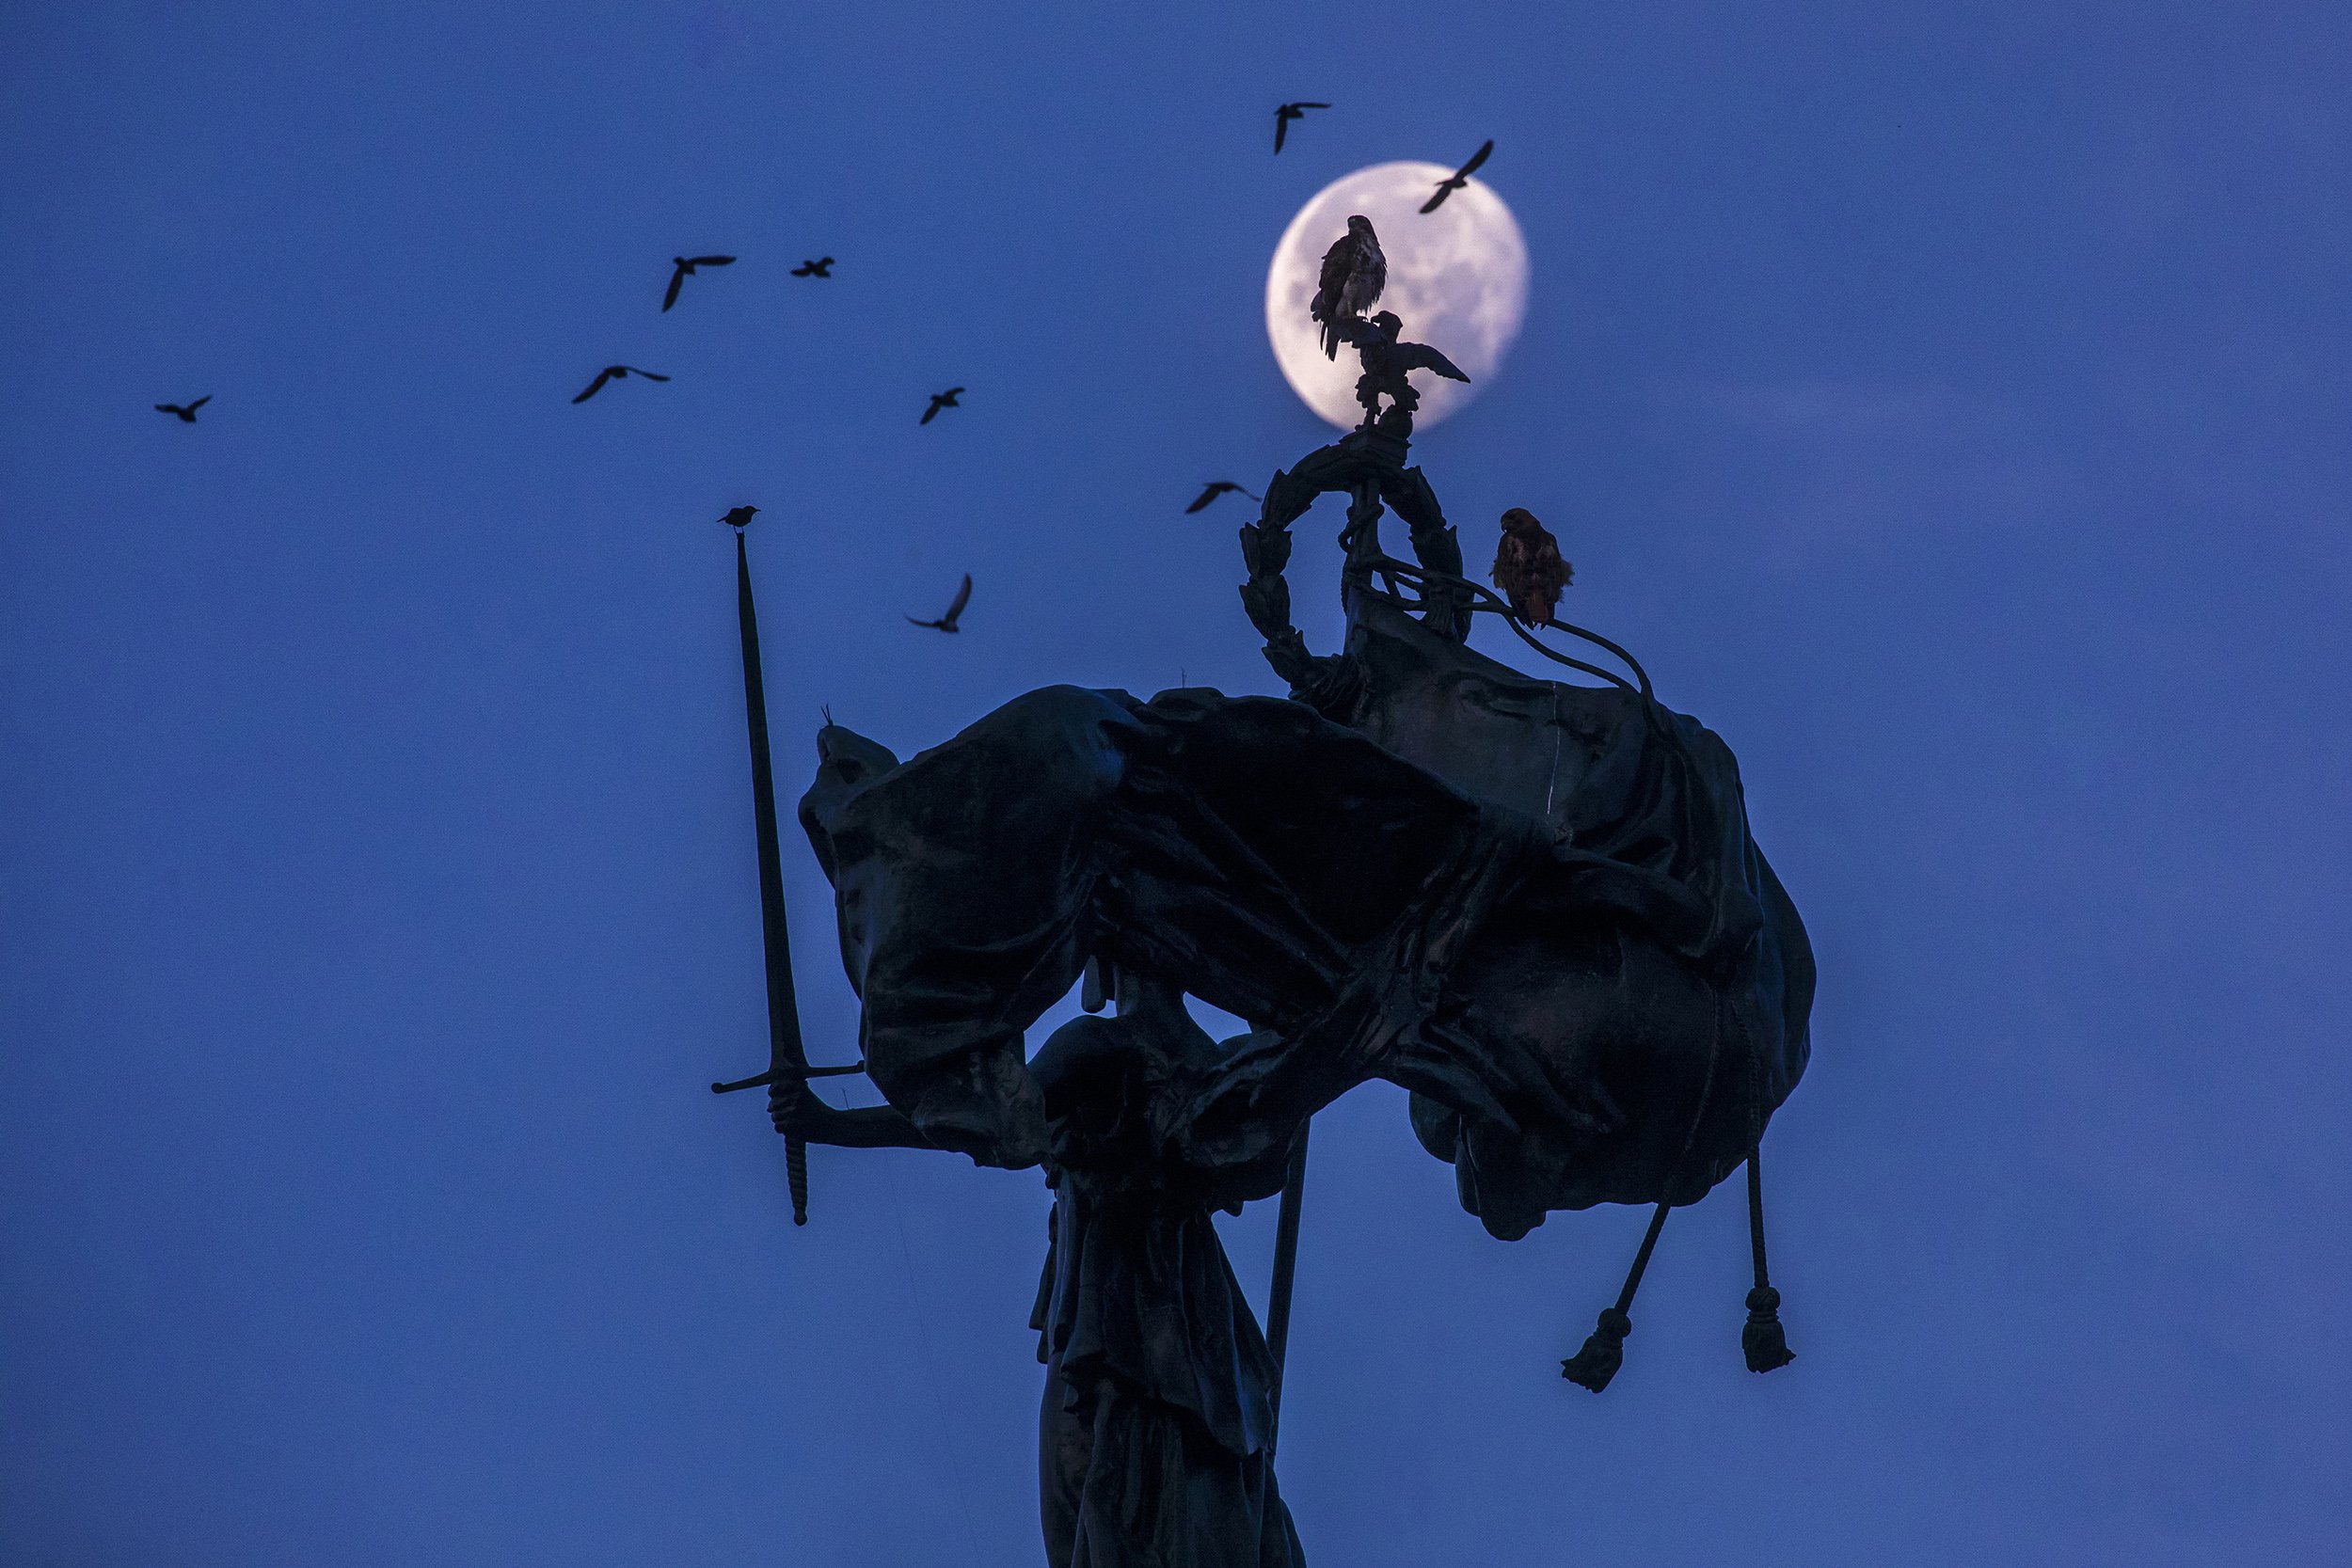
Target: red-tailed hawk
(1354,272)
(1528,568)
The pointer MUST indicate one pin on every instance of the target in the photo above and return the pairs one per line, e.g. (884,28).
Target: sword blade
(1277,1310)
(788,1058)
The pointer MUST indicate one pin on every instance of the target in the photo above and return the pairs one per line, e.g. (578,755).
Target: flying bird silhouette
(1284,115)
(821,267)
(1459,178)
(1529,569)
(186,410)
(1354,272)
(685,266)
(1214,488)
(739,517)
(615,372)
(940,400)
(955,612)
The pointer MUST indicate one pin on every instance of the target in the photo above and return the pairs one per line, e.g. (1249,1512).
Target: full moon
(1457,278)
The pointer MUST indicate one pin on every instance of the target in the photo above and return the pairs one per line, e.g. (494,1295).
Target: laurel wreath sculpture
(1369,467)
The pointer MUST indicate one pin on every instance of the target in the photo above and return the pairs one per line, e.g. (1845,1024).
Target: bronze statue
(1536,905)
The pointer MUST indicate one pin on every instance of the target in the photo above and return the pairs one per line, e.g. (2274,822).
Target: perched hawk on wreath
(1354,272)
(1528,568)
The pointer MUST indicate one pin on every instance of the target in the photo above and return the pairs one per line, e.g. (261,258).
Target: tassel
(1765,1345)
(1762,1340)
(1604,1348)
(1603,1352)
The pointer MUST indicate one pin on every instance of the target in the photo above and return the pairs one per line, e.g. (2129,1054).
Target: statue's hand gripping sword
(788,1071)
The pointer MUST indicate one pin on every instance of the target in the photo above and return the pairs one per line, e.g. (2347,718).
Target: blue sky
(1945,402)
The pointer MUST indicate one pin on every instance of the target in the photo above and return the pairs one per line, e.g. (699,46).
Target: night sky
(1948,403)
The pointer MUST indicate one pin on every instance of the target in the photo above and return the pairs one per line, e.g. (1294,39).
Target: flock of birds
(684,267)
(1287,113)
(1354,272)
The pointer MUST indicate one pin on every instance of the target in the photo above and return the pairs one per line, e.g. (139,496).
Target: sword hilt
(796,1176)
(788,1075)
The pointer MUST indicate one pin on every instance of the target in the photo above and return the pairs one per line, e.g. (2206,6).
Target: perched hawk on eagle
(1354,272)
(1528,568)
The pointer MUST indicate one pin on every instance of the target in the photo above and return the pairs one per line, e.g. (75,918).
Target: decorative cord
(1604,1348)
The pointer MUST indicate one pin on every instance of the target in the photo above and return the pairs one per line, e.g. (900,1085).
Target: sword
(1278,1312)
(787,1059)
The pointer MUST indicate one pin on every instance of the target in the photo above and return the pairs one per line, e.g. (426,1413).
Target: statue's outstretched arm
(799,1114)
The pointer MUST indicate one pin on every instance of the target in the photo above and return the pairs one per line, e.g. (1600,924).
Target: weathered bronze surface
(1536,905)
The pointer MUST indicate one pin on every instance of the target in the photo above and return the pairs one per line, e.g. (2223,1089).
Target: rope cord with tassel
(1762,1340)
(1604,1348)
